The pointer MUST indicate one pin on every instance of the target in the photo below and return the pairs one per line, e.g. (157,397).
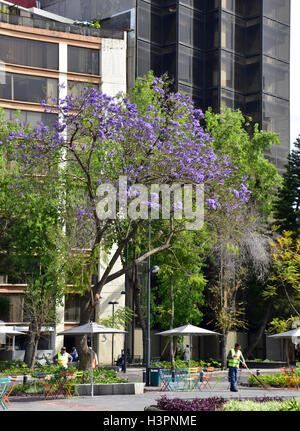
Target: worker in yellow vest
(234,358)
(62,358)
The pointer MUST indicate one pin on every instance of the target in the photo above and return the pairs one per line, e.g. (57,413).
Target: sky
(295,71)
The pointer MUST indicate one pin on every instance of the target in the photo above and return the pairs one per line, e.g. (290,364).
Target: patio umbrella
(188,330)
(8,330)
(91,329)
(294,334)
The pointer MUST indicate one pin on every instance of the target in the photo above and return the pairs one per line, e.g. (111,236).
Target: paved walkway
(137,403)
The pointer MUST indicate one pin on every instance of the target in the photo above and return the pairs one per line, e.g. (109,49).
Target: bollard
(25,378)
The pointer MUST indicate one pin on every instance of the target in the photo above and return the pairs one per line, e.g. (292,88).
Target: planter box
(112,389)
(266,365)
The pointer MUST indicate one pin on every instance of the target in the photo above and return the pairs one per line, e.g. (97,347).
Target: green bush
(275,380)
(248,405)
(14,368)
(179,363)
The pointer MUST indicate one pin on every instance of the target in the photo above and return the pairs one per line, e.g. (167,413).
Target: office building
(44,55)
(232,53)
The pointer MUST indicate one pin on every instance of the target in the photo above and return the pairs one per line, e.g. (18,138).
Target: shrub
(254,405)
(275,380)
(179,363)
(197,404)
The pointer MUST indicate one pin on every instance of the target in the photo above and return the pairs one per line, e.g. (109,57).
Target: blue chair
(4,384)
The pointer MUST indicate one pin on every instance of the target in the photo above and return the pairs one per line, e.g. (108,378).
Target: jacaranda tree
(100,146)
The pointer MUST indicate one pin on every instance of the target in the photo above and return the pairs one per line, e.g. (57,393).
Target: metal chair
(168,384)
(4,382)
(207,376)
(193,378)
(64,384)
(10,387)
(46,386)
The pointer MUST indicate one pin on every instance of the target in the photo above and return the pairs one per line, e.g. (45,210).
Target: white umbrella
(188,330)
(294,334)
(8,330)
(90,329)
(287,334)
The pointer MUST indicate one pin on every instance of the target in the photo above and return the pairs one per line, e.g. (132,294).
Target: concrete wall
(113,66)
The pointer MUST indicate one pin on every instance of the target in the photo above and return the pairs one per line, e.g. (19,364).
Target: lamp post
(153,270)
(113,303)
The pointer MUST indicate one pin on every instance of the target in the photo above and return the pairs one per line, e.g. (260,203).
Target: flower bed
(221,404)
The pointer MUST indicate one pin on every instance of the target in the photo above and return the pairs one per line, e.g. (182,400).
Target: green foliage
(275,380)
(232,135)
(287,204)
(179,363)
(122,316)
(249,405)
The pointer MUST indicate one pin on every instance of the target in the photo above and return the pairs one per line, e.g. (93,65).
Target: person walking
(74,354)
(235,357)
(62,358)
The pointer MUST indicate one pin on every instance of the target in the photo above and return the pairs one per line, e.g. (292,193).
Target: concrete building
(44,55)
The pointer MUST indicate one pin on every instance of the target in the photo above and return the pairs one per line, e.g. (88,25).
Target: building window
(28,52)
(190,67)
(72,308)
(75,88)
(32,118)
(276,40)
(276,117)
(83,60)
(276,77)
(278,10)
(26,88)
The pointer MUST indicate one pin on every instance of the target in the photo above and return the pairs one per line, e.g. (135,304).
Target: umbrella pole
(92,374)
(190,362)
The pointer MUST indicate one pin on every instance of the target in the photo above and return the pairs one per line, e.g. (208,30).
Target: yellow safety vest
(63,360)
(235,360)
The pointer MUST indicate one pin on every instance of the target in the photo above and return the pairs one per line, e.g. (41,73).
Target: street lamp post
(113,303)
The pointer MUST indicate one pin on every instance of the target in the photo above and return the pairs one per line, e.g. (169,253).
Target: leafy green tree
(287,204)
(241,247)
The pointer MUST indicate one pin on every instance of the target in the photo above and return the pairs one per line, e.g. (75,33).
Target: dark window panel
(212,70)
(190,67)
(233,71)
(28,117)
(276,39)
(276,77)
(169,35)
(34,88)
(232,100)
(201,5)
(83,60)
(29,88)
(252,37)
(169,62)
(212,99)
(148,58)
(191,28)
(5,86)
(242,7)
(212,30)
(277,9)
(251,75)
(233,33)
(253,108)
(149,23)
(29,52)
(276,117)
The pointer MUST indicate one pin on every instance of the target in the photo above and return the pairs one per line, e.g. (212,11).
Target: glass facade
(28,52)
(83,60)
(230,52)
(26,88)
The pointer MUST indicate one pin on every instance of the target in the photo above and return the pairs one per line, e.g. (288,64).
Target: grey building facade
(232,53)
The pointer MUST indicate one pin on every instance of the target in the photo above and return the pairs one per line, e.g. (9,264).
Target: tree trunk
(31,346)
(259,333)
(86,309)
(172,350)
(223,350)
